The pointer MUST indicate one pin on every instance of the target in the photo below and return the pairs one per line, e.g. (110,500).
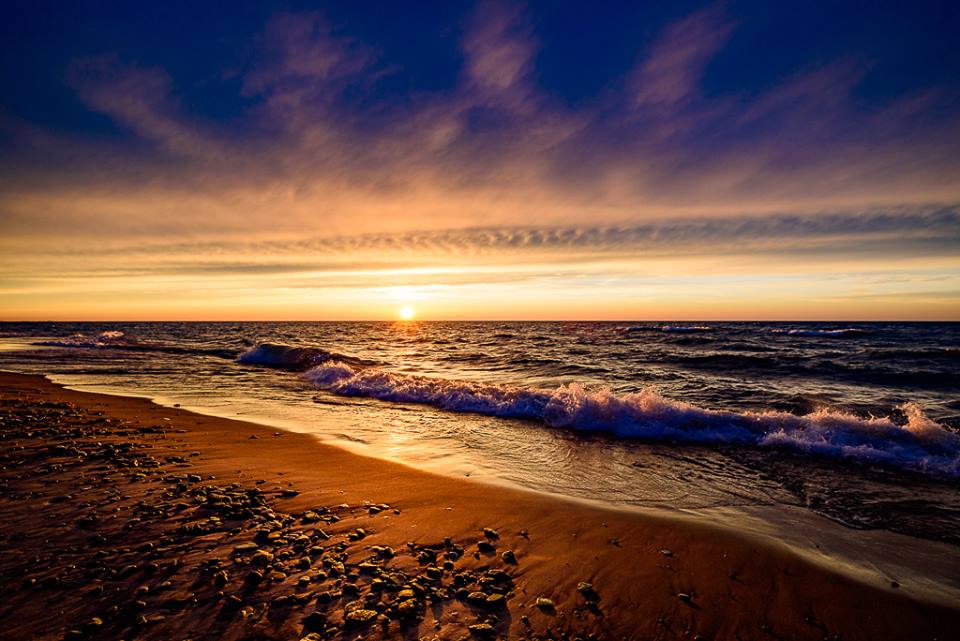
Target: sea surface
(855,422)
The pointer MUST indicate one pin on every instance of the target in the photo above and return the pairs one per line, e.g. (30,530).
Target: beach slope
(123,519)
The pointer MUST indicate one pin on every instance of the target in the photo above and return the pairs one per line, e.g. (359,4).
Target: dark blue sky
(584,48)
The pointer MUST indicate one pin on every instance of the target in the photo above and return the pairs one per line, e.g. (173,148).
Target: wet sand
(122,519)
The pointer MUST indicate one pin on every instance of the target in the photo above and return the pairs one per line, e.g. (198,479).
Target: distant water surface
(854,421)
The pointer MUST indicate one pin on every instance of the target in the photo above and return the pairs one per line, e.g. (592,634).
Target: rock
(357,534)
(477,598)
(93,625)
(315,622)
(586,589)
(407,608)
(326,597)
(545,604)
(491,533)
(496,600)
(359,617)
(482,630)
(683,596)
(486,547)
(509,557)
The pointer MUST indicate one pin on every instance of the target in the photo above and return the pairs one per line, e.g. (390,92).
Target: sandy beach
(124,519)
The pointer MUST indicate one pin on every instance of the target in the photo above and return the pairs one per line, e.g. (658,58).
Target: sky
(481,160)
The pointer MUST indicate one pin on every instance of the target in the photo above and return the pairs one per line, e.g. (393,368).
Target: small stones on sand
(246,560)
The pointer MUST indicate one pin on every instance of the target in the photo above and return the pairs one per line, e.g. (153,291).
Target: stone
(315,622)
(482,630)
(359,617)
(586,589)
(407,608)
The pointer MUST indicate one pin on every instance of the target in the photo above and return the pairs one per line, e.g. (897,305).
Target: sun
(407,312)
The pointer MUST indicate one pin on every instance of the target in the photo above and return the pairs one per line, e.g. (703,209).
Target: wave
(669,329)
(103,339)
(292,358)
(117,340)
(920,445)
(829,333)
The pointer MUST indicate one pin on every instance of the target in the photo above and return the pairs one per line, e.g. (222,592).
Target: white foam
(846,331)
(103,339)
(685,329)
(921,445)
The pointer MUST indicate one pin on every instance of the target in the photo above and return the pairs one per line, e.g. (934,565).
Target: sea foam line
(920,445)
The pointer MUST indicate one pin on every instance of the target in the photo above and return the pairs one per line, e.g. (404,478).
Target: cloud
(934,229)
(499,48)
(672,71)
(315,152)
(140,99)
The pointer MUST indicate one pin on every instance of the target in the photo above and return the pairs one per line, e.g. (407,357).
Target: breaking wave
(117,340)
(920,445)
(291,358)
(103,339)
(829,333)
(669,329)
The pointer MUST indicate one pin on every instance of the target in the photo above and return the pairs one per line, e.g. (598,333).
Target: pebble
(360,616)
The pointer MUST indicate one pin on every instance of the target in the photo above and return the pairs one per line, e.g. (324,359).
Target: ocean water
(856,422)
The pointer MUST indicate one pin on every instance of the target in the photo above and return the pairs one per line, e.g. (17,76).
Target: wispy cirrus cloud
(672,71)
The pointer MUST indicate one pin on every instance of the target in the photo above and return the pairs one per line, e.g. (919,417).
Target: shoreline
(925,569)
(657,577)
